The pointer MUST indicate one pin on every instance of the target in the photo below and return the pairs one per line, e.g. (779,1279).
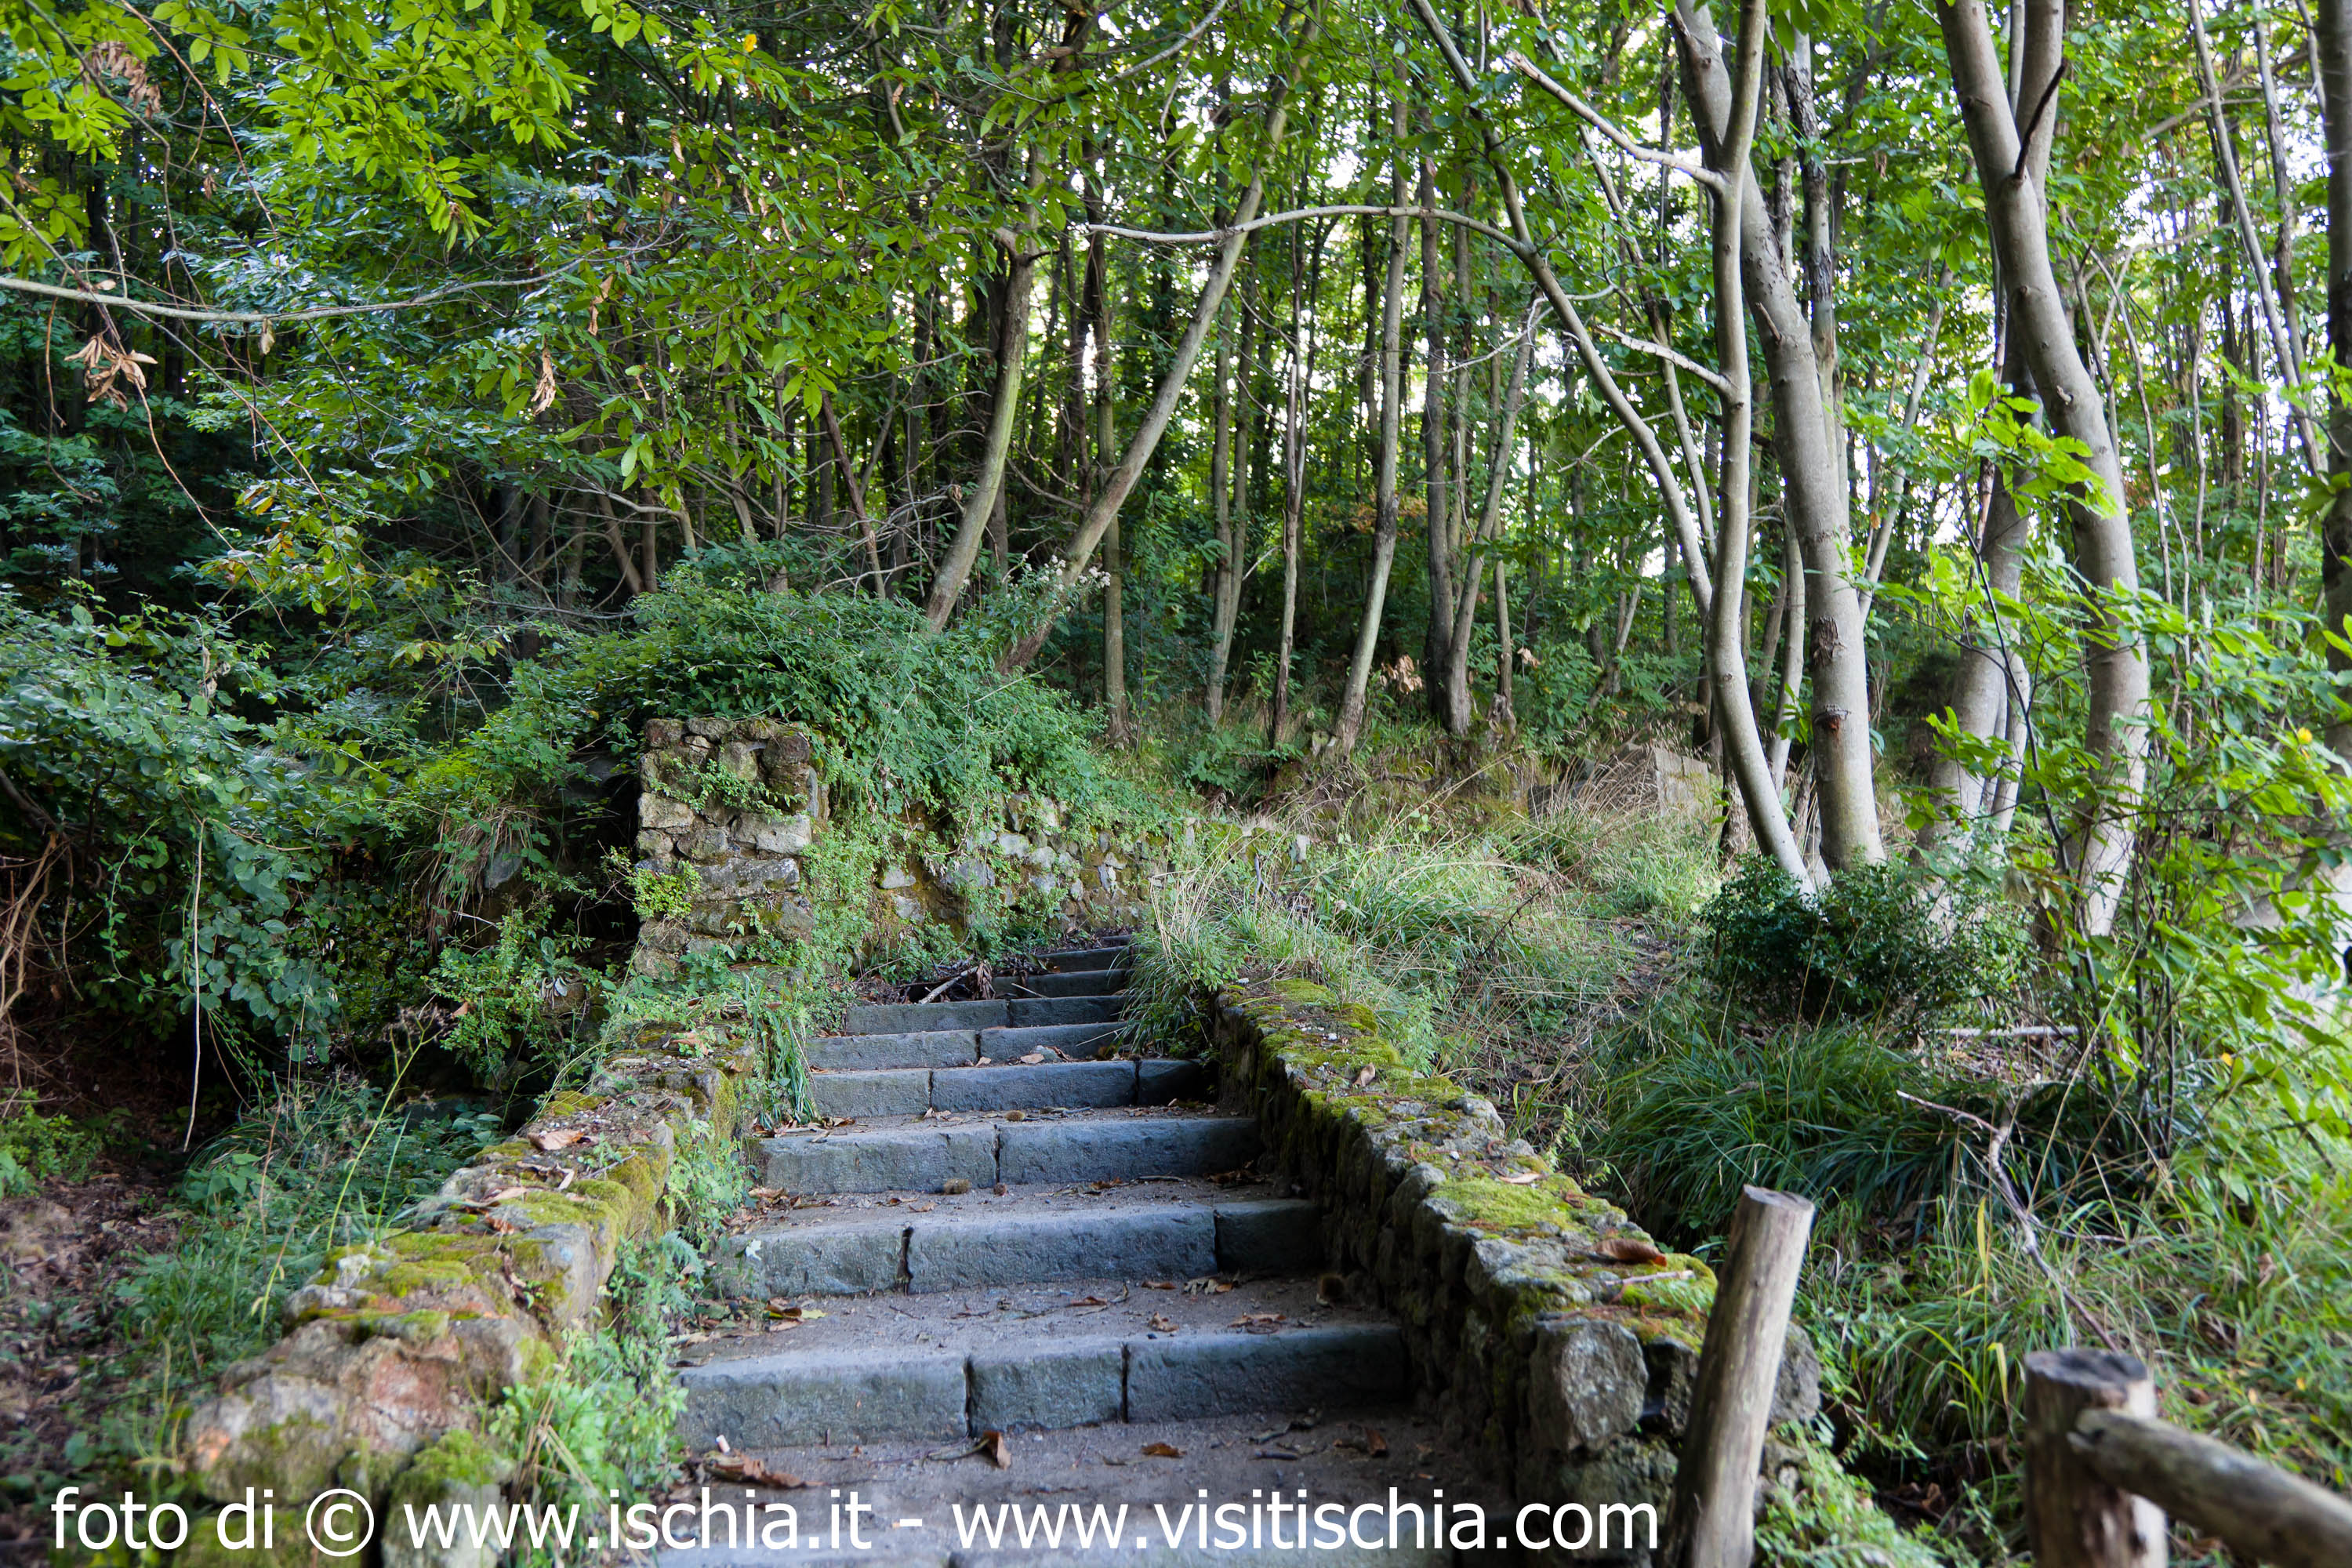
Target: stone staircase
(1016,1226)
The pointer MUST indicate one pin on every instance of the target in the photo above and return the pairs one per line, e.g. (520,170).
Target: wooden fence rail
(2101,1473)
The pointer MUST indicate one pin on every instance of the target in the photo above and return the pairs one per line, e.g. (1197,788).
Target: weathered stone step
(1074,958)
(921,1048)
(964,1383)
(1094,1085)
(1080,1040)
(922,1156)
(1077,982)
(906,1017)
(1044,1012)
(965,1246)
(1107,1466)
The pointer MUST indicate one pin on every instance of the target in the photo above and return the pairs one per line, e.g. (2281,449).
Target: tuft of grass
(1490,955)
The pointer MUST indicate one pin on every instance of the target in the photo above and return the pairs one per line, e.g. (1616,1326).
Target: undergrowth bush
(1879,941)
(36,1148)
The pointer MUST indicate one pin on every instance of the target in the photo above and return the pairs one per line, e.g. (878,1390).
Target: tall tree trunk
(853,493)
(1096,314)
(1299,366)
(1459,711)
(1435,485)
(2333,47)
(1807,441)
(1081,547)
(2225,157)
(1503,717)
(1739,207)
(2100,842)
(979,500)
(1221,506)
(1384,484)
(1793,667)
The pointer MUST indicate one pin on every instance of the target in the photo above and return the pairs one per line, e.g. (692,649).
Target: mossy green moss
(1492,1204)
(459,1459)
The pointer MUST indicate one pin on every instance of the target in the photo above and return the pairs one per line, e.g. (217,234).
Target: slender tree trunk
(1808,443)
(1436,486)
(1793,667)
(1737,208)
(1081,547)
(2116,665)
(1503,717)
(2225,156)
(979,500)
(1384,484)
(853,493)
(1300,365)
(1489,526)
(630,572)
(1104,434)
(1221,506)
(2332,45)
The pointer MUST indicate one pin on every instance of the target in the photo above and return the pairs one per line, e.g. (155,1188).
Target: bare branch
(1681,163)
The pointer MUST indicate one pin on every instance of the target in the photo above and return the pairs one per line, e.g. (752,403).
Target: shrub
(1877,942)
(35,1149)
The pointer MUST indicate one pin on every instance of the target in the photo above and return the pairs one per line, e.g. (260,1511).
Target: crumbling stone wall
(732,808)
(393,1353)
(1552,1332)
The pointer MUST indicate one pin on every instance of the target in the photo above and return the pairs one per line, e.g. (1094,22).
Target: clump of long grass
(1486,955)
(1967,1221)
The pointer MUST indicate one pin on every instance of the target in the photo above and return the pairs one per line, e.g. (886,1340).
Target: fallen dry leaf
(558,1137)
(1628,1250)
(1207,1285)
(924,1208)
(1371,1445)
(955,1186)
(1031,1059)
(1160,1284)
(998,1451)
(1522,1178)
(1162,1323)
(1090,1302)
(1255,1320)
(1163,1451)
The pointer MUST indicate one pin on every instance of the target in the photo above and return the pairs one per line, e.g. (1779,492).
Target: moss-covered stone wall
(1553,1333)
(730,812)
(399,1348)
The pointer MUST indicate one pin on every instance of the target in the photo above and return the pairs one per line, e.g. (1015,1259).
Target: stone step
(925,1514)
(1082,1040)
(905,1017)
(908,1017)
(920,1156)
(1075,958)
(981,1240)
(1077,982)
(1047,1011)
(923,1048)
(963,1381)
(1094,1085)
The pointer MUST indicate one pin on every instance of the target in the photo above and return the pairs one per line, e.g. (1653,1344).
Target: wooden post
(1712,1521)
(2073,1519)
